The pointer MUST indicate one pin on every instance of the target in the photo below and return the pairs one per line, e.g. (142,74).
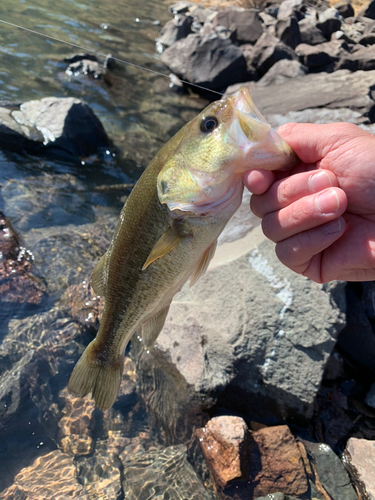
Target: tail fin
(103,380)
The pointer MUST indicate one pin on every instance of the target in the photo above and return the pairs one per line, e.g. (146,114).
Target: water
(53,445)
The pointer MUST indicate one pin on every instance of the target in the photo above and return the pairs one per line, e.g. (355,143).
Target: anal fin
(97,277)
(203,263)
(169,240)
(152,328)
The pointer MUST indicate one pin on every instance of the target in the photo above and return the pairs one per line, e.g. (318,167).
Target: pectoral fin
(152,328)
(98,281)
(203,263)
(170,239)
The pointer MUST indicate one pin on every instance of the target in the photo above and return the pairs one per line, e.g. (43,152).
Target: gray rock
(368,10)
(208,61)
(329,22)
(166,472)
(370,397)
(64,126)
(310,34)
(248,339)
(336,90)
(360,459)
(180,7)
(267,51)
(316,115)
(245,22)
(318,56)
(357,339)
(345,10)
(179,27)
(282,71)
(288,8)
(331,471)
(361,59)
(288,32)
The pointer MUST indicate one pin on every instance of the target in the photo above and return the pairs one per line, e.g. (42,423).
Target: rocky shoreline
(261,385)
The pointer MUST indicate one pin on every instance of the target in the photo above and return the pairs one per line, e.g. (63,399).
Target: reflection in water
(54,445)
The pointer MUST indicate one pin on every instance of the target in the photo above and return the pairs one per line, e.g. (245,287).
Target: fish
(168,229)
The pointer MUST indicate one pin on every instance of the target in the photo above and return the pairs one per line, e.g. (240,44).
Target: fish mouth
(263,146)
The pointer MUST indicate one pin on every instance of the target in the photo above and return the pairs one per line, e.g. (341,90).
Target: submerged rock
(166,472)
(61,126)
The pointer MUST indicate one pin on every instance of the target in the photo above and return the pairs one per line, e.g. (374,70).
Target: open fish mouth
(265,149)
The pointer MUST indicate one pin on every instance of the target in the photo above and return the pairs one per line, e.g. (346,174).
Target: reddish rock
(85,307)
(17,284)
(224,445)
(276,464)
(360,459)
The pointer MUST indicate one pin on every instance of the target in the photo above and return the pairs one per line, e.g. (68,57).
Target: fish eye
(209,123)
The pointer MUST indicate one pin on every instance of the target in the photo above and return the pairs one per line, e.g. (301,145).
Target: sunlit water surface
(65,215)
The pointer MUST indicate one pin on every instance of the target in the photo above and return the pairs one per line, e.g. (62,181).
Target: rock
(368,11)
(288,32)
(289,8)
(370,397)
(28,201)
(224,444)
(14,492)
(76,425)
(361,59)
(357,339)
(367,39)
(318,56)
(309,33)
(276,463)
(84,306)
(180,7)
(166,472)
(246,23)
(208,61)
(267,51)
(179,27)
(368,299)
(345,10)
(360,459)
(277,496)
(330,471)
(101,475)
(329,22)
(316,115)
(64,126)
(80,64)
(214,343)
(51,476)
(17,285)
(336,90)
(282,71)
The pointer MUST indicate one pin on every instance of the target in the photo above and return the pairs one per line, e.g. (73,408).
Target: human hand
(321,214)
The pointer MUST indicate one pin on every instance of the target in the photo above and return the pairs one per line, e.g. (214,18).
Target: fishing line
(104,55)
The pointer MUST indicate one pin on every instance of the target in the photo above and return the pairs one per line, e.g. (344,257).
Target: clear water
(65,215)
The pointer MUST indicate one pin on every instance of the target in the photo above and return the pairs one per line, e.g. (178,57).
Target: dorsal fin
(169,240)
(203,263)
(98,281)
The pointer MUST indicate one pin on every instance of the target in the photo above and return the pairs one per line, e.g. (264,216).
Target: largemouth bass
(168,229)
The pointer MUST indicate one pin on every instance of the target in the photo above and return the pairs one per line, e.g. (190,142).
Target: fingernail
(328,202)
(334,226)
(319,181)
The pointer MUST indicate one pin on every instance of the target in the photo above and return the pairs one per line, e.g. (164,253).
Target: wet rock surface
(62,126)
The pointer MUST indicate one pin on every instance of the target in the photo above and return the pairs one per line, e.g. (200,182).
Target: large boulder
(322,55)
(282,71)
(208,61)
(320,90)
(246,23)
(175,29)
(61,126)
(267,51)
(248,336)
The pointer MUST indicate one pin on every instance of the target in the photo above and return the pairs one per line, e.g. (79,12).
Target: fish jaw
(263,148)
